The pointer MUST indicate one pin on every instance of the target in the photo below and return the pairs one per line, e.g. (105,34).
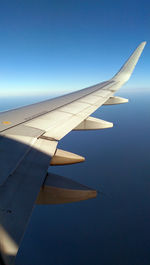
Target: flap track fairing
(58,190)
(92,123)
(62,157)
(115,100)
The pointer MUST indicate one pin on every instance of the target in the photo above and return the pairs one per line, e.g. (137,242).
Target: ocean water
(113,228)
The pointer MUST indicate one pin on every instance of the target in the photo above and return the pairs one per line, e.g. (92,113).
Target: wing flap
(60,122)
(18,194)
(14,145)
(21,115)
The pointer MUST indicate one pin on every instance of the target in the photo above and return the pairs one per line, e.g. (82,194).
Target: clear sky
(52,47)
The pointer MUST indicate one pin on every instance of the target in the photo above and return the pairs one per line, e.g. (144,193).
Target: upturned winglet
(126,70)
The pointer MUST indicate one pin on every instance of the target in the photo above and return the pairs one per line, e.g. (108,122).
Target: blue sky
(52,47)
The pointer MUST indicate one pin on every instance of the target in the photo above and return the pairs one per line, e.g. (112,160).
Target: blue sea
(114,228)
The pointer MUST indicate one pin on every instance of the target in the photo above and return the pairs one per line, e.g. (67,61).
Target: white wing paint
(28,141)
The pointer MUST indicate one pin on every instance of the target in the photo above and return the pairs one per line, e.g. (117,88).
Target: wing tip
(126,70)
(143,43)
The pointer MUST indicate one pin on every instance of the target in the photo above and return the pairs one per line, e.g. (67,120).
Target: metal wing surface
(28,141)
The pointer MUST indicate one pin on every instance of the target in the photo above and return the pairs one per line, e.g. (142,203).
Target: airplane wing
(28,145)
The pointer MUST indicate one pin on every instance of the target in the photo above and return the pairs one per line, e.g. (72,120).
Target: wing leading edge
(34,132)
